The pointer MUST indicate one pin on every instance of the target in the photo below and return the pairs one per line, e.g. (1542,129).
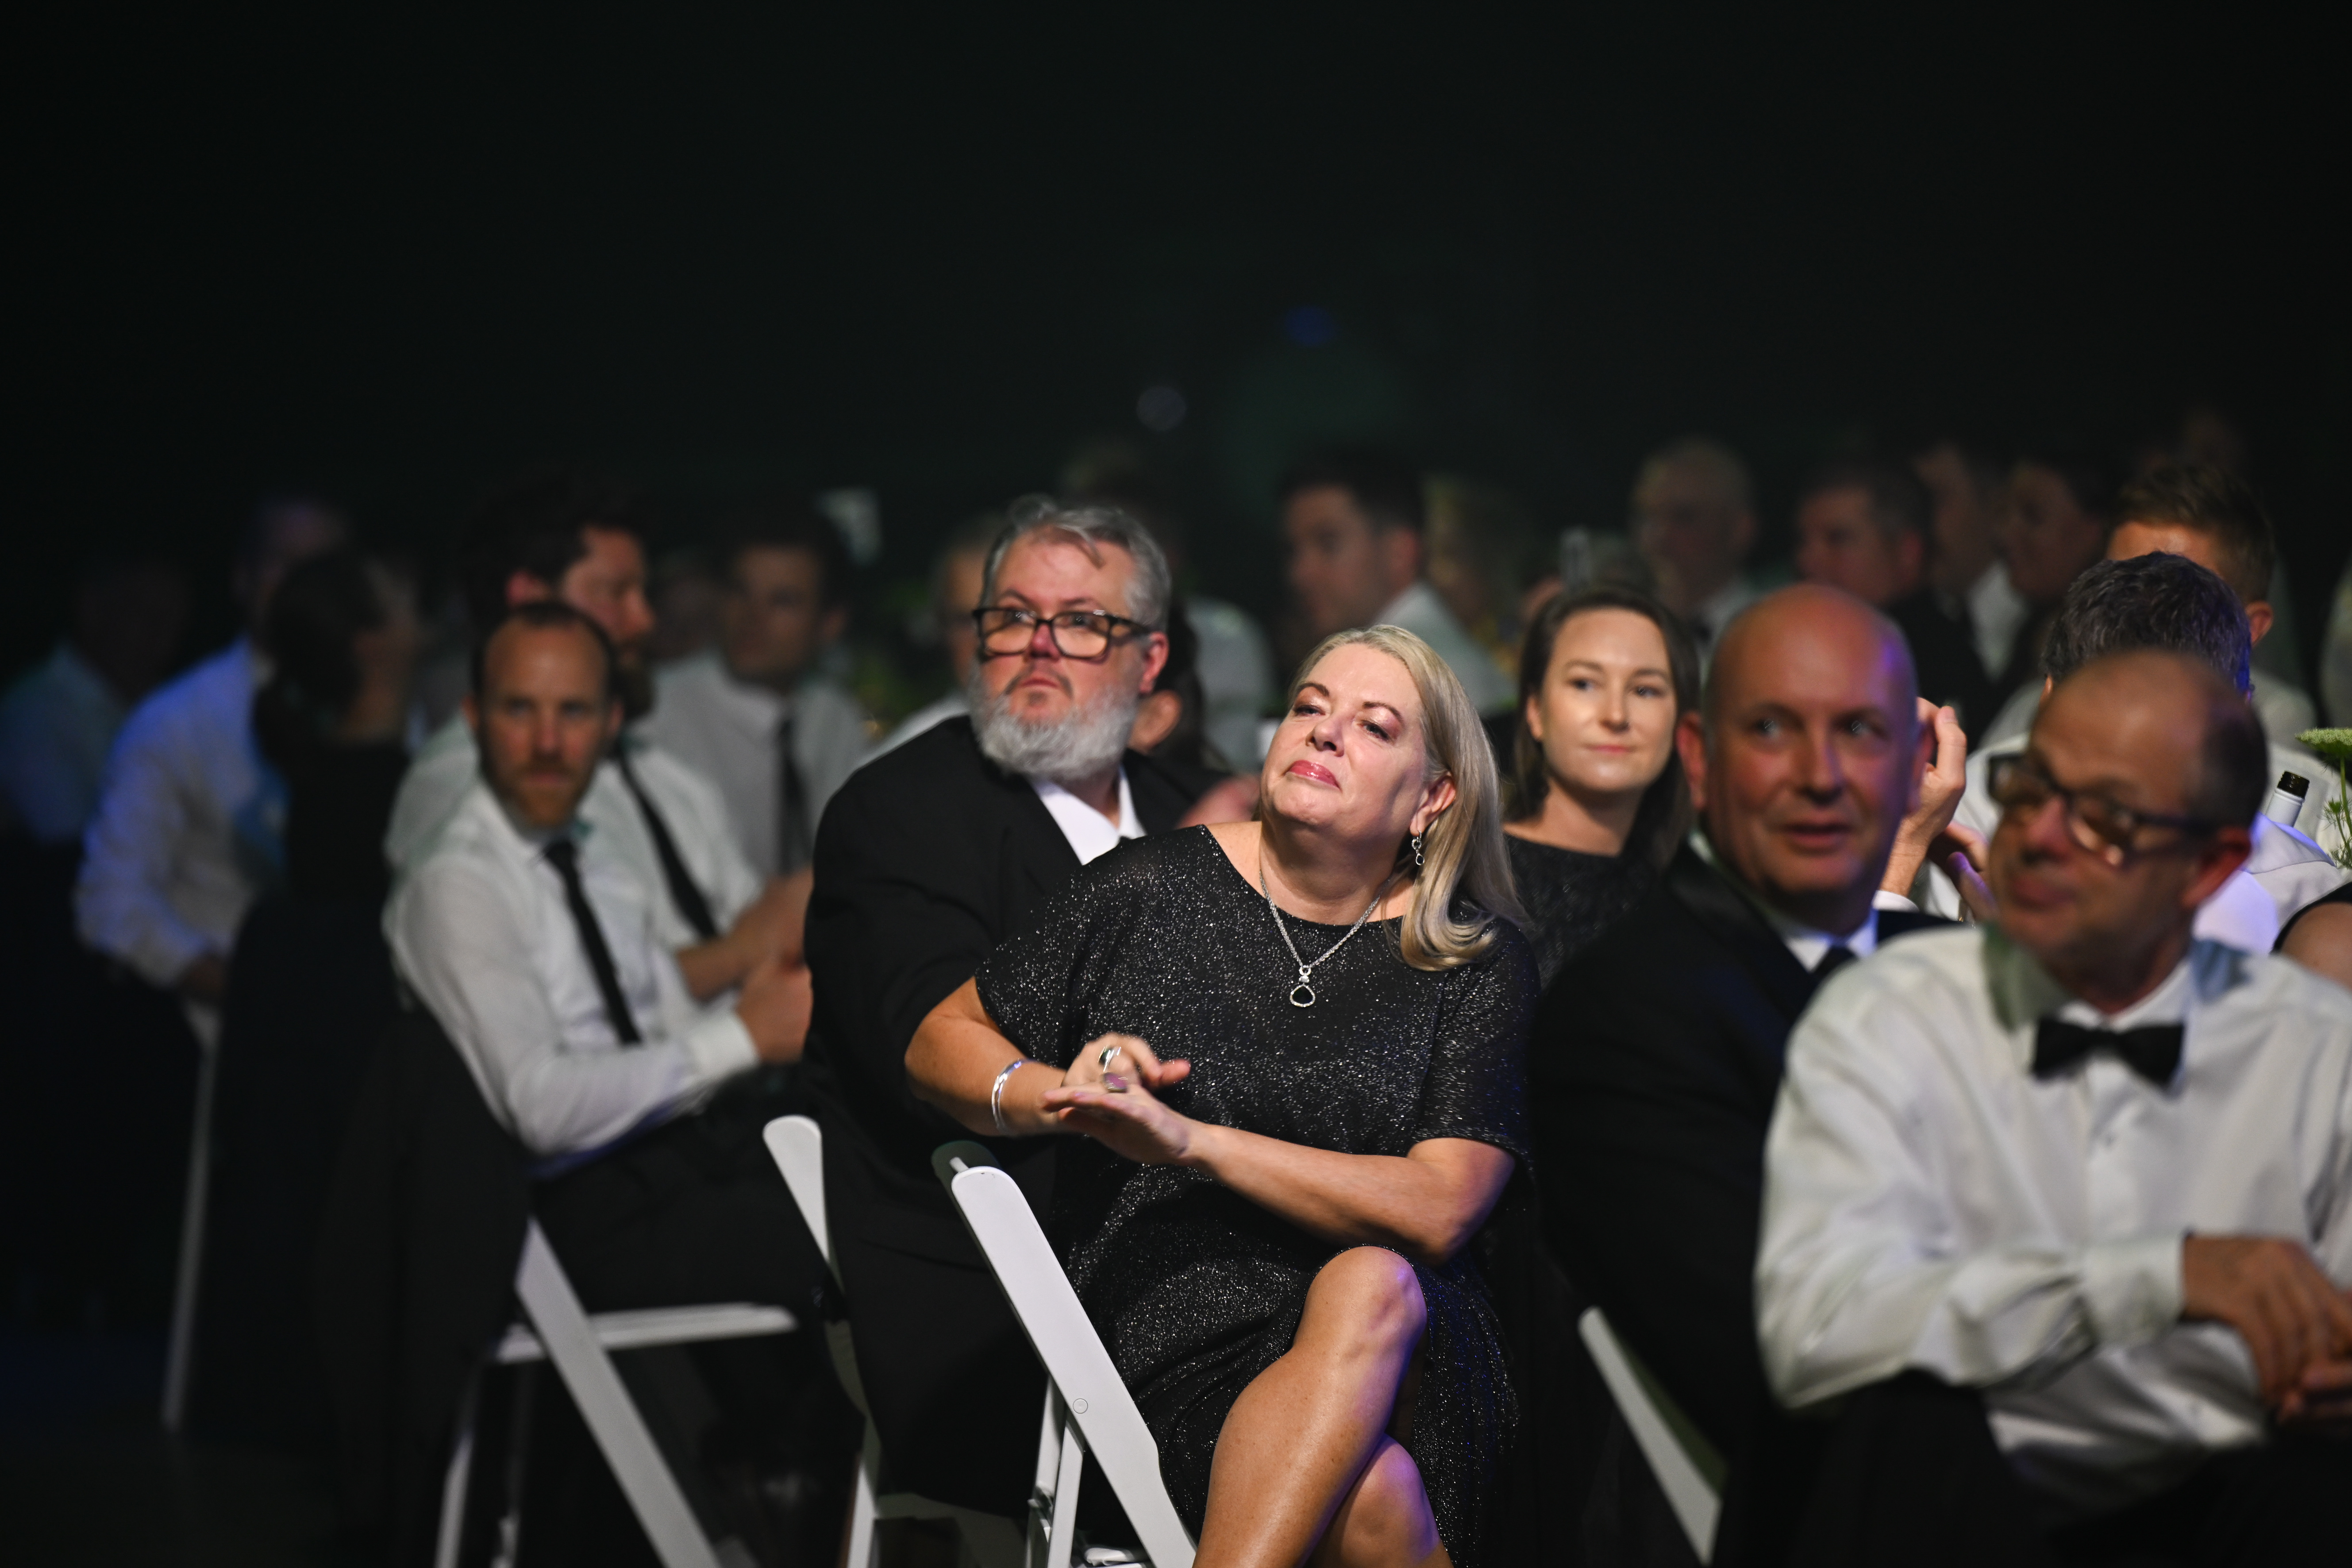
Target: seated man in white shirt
(2165,601)
(539,952)
(2076,1191)
(572,539)
(757,716)
(188,831)
(1694,522)
(1354,521)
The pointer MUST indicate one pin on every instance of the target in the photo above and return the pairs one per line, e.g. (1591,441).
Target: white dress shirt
(1805,944)
(1420,611)
(1090,833)
(727,729)
(1930,1204)
(481,933)
(1996,613)
(1711,615)
(57,725)
(2286,871)
(1237,677)
(448,766)
(190,827)
(929,716)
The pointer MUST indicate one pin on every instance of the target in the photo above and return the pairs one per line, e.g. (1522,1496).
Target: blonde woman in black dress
(1294,1046)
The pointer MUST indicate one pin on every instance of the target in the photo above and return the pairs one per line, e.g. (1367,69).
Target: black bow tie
(2153,1051)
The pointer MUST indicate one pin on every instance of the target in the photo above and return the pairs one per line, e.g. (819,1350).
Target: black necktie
(1836,958)
(791,813)
(565,856)
(691,905)
(2153,1050)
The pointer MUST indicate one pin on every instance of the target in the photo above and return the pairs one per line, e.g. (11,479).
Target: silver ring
(1110,1055)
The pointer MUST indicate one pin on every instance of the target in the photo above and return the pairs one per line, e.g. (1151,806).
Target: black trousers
(952,1384)
(691,1214)
(1909,1473)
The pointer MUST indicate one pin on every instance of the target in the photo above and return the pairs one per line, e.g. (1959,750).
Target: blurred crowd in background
(122,913)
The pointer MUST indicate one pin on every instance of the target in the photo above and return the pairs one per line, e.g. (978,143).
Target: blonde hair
(1462,854)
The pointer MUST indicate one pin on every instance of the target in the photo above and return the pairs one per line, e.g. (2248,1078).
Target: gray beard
(1073,750)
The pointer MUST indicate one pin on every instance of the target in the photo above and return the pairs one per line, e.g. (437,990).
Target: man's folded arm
(461,948)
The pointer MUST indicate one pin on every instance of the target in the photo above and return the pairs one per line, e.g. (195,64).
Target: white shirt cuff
(2131,1288)
(1882,899)
(718,1047)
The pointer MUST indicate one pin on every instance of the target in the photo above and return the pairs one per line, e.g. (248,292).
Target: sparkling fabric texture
(1194,1289)
(1571,896)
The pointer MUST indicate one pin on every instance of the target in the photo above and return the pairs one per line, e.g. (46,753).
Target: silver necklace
(1303,995)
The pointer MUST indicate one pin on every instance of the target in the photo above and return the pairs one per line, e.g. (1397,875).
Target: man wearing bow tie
(2063,1209)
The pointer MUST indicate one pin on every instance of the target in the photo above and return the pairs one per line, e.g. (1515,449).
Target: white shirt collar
(758,708)
(1808,946)
(1412,606)
(1090,834)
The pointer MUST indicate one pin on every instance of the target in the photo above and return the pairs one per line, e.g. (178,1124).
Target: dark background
(391,259)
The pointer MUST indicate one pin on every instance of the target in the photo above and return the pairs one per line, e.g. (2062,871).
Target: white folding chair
(1689,1471)
(580,1345)
(1088,1411)
(797,1145)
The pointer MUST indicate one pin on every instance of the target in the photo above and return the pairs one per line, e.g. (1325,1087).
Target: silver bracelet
(996,1096)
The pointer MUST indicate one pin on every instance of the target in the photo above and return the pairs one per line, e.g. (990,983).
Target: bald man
(1656,1052)
(2062,1209)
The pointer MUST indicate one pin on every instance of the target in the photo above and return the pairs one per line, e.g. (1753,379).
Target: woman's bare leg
(1299,1439)
(1384,1520)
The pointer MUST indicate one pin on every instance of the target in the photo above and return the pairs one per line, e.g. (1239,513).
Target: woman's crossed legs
(1308,1461)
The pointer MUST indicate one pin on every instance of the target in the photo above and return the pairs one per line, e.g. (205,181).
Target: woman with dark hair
(332,717)
(1598,799)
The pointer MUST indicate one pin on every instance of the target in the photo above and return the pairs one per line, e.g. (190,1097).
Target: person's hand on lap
(1115,1106)
(2293,1318)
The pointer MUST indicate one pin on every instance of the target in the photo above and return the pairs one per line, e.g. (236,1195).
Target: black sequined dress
(1571,896)
(1194,1289)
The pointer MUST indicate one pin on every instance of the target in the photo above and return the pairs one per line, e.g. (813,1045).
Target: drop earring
(1416,851)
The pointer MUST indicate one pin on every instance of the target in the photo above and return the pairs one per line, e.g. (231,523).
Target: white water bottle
(2286,800)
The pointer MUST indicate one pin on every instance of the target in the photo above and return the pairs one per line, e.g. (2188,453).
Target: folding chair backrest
(797,1146)
(1074,1357)
(1689,1470)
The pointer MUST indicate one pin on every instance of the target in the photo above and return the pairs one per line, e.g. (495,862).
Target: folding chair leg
(1062,1534)
(189,1275)
(595,1387)
(863,1511)
(459,1477)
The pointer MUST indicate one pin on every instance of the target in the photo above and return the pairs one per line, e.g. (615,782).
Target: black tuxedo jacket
(927,859)
(1655,1063)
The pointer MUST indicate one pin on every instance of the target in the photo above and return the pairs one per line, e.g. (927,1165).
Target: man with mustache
(539,952)
(577,541)
(927,859)
(2062,1207)
(1657,1050)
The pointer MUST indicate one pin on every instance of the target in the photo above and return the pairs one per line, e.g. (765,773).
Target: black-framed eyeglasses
(2103,827)
(1007,629)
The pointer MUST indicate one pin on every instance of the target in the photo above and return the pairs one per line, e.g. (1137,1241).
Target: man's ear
(1743,533)
(2220,859)
(473,711)
(1690,743)
(1155,659)
(830,629)
(522,588)
(2259,618)
(1911,552)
